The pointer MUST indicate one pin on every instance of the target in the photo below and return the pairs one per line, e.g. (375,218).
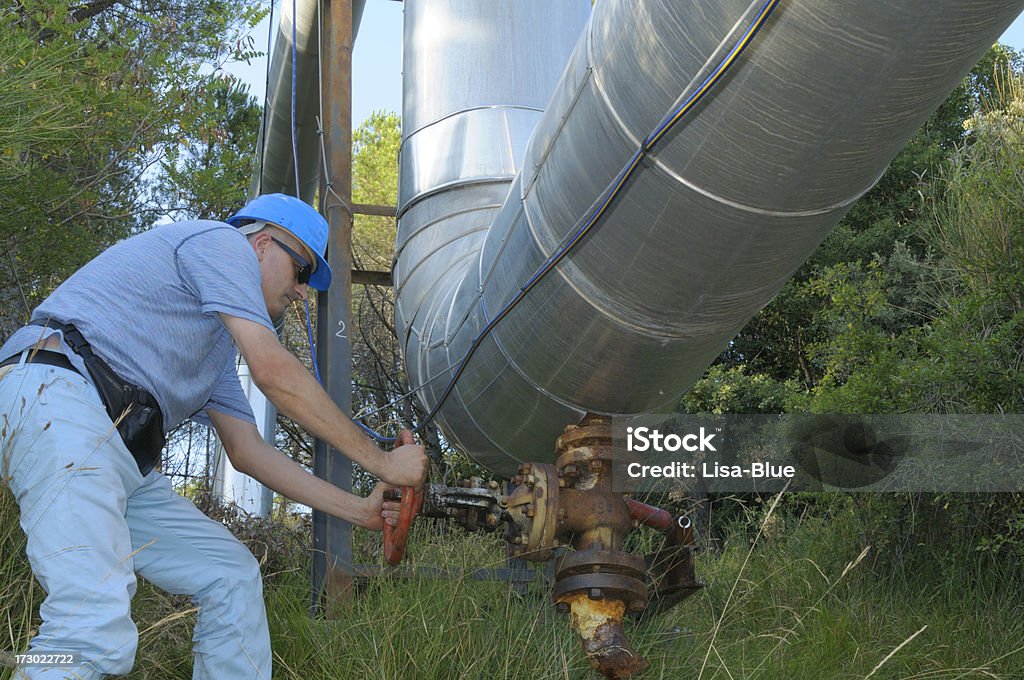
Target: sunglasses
(305,268)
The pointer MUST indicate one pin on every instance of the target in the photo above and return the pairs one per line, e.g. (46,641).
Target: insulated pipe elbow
(718,216)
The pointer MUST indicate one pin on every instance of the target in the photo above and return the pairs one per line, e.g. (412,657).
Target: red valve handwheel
(412,500)
(396,536)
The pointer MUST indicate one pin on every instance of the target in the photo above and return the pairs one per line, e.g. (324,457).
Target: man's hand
(390,510)
(377,511)
(406,465)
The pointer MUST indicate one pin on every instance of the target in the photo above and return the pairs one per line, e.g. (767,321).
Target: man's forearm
(272,468)
(286,382)
(297,395)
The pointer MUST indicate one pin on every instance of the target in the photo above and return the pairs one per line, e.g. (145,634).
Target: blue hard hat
(298,218)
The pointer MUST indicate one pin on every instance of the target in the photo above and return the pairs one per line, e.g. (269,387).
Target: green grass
(797,602)
(20,595)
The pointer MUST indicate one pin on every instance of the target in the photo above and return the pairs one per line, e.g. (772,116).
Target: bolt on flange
(533,507)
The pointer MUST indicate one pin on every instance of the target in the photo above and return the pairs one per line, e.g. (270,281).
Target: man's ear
(260,242)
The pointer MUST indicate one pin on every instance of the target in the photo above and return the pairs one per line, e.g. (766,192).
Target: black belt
(42,356)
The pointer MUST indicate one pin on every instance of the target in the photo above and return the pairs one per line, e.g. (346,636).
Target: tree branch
(91,9)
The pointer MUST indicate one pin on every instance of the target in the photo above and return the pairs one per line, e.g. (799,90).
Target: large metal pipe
(718,217)
(276,171)
(476,78)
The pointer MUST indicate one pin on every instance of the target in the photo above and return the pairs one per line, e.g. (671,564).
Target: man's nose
(302,290)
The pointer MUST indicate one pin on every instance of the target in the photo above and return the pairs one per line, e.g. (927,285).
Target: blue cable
(312,345)
(670,120)
(295,77)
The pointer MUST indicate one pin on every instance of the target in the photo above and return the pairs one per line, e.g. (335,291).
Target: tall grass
(798,601)
(20,595)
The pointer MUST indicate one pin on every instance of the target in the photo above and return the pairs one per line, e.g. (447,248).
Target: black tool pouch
(134,411)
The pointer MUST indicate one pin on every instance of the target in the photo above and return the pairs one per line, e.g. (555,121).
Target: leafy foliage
(207,174)
(94,94)
(375,146)
(912,305)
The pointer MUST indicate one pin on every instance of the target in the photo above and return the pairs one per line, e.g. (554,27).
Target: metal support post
(332,538)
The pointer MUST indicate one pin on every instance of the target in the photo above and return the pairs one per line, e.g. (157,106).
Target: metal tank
(719,215)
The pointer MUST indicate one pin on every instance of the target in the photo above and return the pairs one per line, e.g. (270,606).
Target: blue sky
(377,59)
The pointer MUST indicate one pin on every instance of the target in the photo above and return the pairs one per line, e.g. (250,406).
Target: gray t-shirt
(149,305)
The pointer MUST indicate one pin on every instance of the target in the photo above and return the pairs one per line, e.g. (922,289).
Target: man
(159,316)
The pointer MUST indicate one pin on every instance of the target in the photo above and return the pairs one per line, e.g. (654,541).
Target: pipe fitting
(596,588)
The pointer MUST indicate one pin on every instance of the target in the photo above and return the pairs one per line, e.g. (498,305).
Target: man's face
(280,269)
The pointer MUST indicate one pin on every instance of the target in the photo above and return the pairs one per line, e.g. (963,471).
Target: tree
(112,88)
(880,242)
(207,174)
(962,353)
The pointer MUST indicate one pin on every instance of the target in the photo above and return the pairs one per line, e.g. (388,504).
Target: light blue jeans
(92,521)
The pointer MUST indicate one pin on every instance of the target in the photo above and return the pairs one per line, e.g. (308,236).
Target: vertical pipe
(332,538)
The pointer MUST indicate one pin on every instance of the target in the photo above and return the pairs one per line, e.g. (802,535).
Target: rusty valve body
(597,582)
(571,505)
(570,502)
